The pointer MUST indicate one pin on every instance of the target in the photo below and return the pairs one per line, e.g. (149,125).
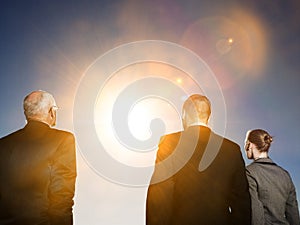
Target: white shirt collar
(198,123)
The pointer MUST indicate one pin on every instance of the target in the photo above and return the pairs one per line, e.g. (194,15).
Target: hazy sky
(250,48)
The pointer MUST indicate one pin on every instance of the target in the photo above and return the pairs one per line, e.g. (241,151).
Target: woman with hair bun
(272,191)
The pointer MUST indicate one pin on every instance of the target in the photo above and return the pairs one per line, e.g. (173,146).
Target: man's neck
(37,120)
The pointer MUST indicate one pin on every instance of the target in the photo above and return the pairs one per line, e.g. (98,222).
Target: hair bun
(268,139)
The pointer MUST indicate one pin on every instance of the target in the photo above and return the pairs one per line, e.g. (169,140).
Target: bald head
(40,106)
(196,109)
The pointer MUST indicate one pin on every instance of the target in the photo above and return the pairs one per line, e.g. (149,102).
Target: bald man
(37,168)
(199,176)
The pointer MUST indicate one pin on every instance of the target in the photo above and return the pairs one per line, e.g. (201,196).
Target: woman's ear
(252,146)
(246,146)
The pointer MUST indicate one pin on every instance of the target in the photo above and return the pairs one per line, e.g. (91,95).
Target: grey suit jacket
(273,194)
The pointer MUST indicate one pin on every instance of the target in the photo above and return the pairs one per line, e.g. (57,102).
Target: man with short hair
(199,176)
(37,168)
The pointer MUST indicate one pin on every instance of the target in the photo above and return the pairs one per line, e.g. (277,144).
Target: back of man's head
(196,108)
(37,106)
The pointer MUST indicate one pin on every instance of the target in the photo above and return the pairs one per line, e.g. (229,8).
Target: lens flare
(233,46)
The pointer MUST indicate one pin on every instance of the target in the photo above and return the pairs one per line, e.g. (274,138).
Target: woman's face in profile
(247,148)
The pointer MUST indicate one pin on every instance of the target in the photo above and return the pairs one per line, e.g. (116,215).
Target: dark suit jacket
(216,195)
(273,194)
(37,176)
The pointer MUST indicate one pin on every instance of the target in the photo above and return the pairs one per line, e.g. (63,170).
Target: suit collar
(264,161)
(198,127)
(201,132)
(35,129)
(36,124)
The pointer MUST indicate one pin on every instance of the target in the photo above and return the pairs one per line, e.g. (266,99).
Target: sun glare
(179,80)
(230,40)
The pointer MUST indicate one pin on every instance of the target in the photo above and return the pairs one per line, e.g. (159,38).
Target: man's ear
(52,113)
(183,114)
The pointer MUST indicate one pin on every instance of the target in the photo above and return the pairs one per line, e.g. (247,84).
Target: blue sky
(50,44)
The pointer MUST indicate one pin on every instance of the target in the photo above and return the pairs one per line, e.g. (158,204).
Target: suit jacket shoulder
(41,161)
(166,145)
